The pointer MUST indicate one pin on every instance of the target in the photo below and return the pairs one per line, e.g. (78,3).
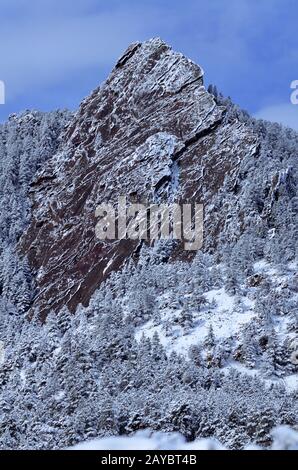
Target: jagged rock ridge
(151,132)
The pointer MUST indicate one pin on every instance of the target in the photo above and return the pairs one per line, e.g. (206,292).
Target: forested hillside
(100,339)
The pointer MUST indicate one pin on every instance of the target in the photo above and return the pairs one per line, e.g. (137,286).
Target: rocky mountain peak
(150,344)
(151,131)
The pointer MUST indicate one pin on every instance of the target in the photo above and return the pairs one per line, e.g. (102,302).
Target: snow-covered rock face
(153,133)
(204,345)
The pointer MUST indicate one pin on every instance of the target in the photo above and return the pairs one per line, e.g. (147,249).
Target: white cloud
(45,47)
(44,44)
(286,114)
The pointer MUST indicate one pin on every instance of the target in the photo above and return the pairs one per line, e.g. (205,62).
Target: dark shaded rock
(151,132)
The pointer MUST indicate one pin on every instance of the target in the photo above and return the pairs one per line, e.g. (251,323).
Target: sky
(53,53)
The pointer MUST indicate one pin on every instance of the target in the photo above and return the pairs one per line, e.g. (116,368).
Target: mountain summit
(151,132)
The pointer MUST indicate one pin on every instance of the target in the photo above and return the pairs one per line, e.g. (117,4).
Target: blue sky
(54,52)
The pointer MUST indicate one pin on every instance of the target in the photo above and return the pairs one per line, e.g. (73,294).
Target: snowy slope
(111,338)
(284,439)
